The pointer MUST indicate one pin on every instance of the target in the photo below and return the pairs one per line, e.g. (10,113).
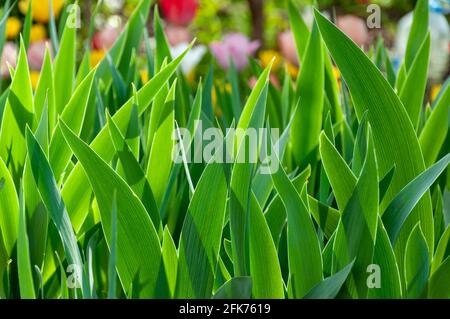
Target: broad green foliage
(88,181)
(395,139)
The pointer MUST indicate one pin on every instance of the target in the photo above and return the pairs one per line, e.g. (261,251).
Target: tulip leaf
(394,135)
(201,235)
(438,287)
(435,130)
(9,209)
(417,264)
(76,196)
(73,114)
(384,257)
(329,287)
(26,283)
(267,282)
(307,122)
(52,200)
(401,206)
(356,233)
(235,288)
(305,261)
(413,91)
(138,248)
(65,69)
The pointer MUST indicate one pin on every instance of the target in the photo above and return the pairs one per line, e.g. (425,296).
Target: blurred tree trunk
(86,11)
(257,12)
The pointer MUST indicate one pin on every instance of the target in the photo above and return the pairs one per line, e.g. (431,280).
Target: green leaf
(52,26)
(119,83)
(435,130)
(89,265)
(7,8)
(299,30)
(51,197)
(394,135)
(134,30)
(64,69)
(384,257)
(242,174)
(27,27)
(332,88)
(307,122)
(170,259)
(73,114)
(401,206)
(262,184)
(442,249)
(413,91)
(9,209)
(201,235)
(264,266)
(162,50)
(64,289)
(17,114)
(385,182)
(139,260)
(149,53)
(42,130)
(160,161)
(76,196)
(112,263)
(327,256)
(276,219)
(341,178)
(417,264)
(438,286)
(192,126)
(235,288)
(417,33)
(253,104)
(134,175)
(329,287)
(360,147)
(305,260)
(325,216)
(45,91)
(356,233)
(233,77)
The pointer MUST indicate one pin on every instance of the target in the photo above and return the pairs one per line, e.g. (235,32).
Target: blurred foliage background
(262,26)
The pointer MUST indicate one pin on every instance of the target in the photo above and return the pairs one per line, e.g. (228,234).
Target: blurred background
(235,30)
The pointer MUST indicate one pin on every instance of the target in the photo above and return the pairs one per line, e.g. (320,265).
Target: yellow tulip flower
(40,9)
(292,70)
(266,57)
(13,26)
(38,33)
(96,57)
(435,89)
(144,76)
(34,76)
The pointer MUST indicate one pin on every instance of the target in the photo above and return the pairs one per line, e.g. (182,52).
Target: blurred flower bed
(228,32)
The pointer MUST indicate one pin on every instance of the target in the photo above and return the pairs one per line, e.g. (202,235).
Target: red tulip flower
(180,12)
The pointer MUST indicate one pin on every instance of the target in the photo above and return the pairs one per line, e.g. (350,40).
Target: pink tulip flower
(104,39)
(272,77)
(234,46)
(36,54)
(355,28)
(286,43)
(9,56)
(177,34)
